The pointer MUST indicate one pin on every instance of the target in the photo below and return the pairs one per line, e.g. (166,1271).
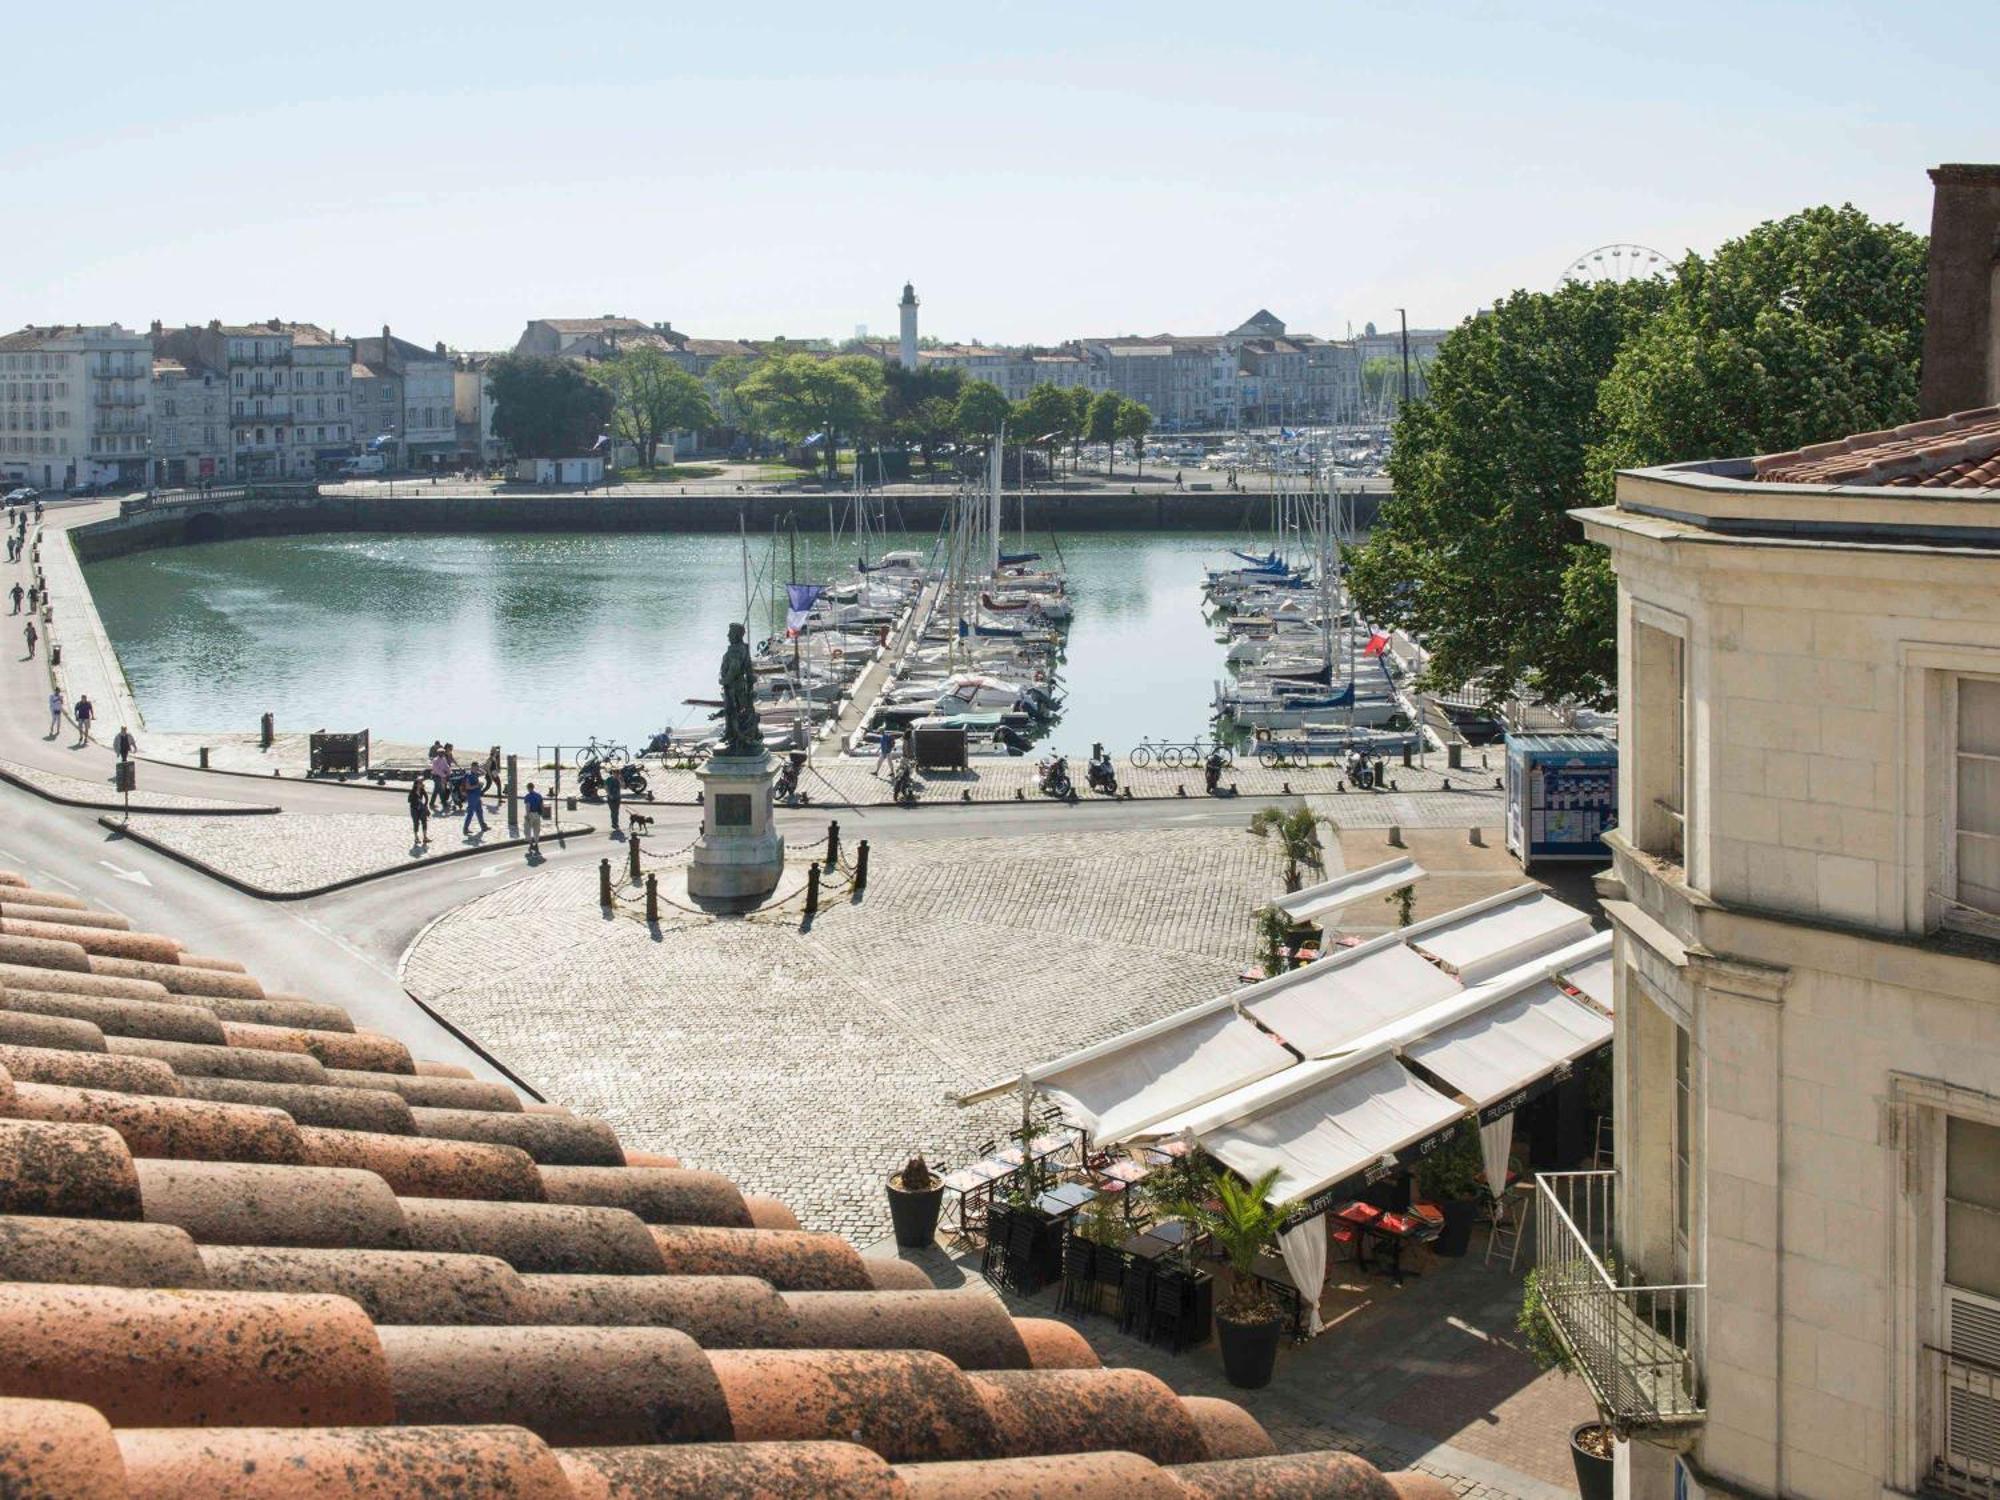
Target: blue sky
(1040,170)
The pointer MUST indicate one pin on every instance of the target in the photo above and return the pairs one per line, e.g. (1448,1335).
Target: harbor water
(538,639)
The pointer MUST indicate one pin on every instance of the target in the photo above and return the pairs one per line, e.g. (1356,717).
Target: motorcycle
(1360,772)
(590,778)
(1054,780)
(786,788)
(1099,773)
(1211,771)
(903,783)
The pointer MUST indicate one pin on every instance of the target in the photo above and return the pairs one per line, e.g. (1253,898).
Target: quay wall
(301,510)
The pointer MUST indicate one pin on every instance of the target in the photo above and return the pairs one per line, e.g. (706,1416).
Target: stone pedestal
(739,857)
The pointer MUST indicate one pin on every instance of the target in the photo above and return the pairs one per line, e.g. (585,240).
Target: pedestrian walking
(19,594)
(493,771)
(55,706)
(440,780)
(531,819)
(84,712)
(420,813)
(614,794)
(887,749)
(123,745)
(34,597)
(475,805)
(31,638)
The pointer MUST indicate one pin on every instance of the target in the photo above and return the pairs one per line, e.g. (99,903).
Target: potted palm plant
(915,1195)
(1298,839)
(1243,1222)
(1592,1444)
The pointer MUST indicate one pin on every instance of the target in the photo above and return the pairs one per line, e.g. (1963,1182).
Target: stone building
(322,380)
(74,404)
(255,361)
(406,393)
(1791,1283)
(190,424)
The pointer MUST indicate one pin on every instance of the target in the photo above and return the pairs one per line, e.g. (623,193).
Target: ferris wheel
(1620,262)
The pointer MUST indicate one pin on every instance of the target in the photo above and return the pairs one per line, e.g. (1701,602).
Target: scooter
(1211,771)
(1360,772)
(1055,780)
(1101,776)
(903,783)
(786,788)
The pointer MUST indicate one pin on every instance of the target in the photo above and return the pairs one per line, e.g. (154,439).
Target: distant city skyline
(1070,173)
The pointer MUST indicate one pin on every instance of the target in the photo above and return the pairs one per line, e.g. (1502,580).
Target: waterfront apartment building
(190,424)
(406,393)
(322,392)
(75,401)
(288,415)
(1790,1284)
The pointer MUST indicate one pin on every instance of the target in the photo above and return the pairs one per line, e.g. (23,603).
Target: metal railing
(1631,1342)
(1967,1394)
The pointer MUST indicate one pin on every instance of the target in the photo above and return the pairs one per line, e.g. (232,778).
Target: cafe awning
(1328,1122)
(1592,979)
(1139,1077)
(1506,1048)
(1329,1004)
(1499,935)
(1317,902)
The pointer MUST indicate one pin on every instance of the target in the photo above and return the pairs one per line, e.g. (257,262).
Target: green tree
(546,407)
(654,397)
(1043,417)
(797,396)
(1472,549)
(1135,420)
(920,407)
(982,408)
(1102,425)
(725,378)
(1081,400)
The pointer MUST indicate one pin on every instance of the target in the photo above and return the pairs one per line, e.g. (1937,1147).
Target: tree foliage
(798,396)
(653,397)
(1045,416)
(1805,329)
(1135,420)
(982,407)
(547,407)
(920,407)
(1102,425)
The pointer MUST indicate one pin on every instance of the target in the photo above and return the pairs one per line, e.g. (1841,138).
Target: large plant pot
(1593,1471)
(1250,1351)
(915,1215)
(1456,1235)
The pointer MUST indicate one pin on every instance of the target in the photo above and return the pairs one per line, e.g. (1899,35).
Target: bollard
(1395,836)
(861,867)
(204,757)
(267,730)
(1454,757)
(1447,785)
(653,900)
(833,844)
(55,653)
(812,889)
(632,856)
(1406,757)
(513,793)
(604,882)
(1472,837)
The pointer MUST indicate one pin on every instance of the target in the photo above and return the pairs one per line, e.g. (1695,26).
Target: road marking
(58,880)
(487,872)
(137,877)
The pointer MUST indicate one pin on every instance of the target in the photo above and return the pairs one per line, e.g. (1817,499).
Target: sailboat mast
(997,467)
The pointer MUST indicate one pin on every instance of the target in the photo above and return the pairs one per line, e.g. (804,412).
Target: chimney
(1961,329)
(215,325)
(157,329)
(440,346)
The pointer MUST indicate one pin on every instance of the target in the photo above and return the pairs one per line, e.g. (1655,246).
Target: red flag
(1378,642)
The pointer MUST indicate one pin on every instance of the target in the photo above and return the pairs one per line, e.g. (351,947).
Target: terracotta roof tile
(220,1204)
(1961,451)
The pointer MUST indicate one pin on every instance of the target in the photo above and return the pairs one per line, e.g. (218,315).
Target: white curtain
(1496,1141)
(1304,1250)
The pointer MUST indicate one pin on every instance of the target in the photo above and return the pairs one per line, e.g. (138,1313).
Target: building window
(1973,887)
(1659,660)
(1971,1307)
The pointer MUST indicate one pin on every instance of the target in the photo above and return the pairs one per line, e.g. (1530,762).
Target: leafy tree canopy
(654,397)
(982,407)
(1804,329)
(798,395)
(547,407)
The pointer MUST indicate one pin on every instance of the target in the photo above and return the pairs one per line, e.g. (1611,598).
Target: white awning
(1512,1043)
(1329,1004)
(1328,1126)
(1593,979)
(1502,935)
(1135,1079)
(1329,896)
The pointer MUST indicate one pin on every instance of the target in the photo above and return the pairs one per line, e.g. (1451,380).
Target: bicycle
(1178,755)
(604,752)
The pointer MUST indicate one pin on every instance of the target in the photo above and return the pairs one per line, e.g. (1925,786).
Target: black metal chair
(1112,1269)
(993,1256)
(1079,1272)
(1168,1309)
(1135,1307)
(1017,1268)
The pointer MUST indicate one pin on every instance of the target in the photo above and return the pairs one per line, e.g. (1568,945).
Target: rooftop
(595,325)
(240,1236)
(1961,451)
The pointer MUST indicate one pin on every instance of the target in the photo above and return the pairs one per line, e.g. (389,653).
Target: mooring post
(861,867)
(513,793)
(833,844)
(812,890)
(653,900)
(632,856)
(604,882)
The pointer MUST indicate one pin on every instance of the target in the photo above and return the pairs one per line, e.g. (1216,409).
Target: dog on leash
(640,824)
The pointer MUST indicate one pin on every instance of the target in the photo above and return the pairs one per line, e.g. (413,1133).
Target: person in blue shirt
(532,805)
(475,805)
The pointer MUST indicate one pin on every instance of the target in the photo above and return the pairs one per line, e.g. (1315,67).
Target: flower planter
(1593,1470)
(915,1214)
(1250,1351)
(1459,1214)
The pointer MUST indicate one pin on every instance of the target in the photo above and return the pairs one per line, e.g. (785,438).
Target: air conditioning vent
(1975,1326)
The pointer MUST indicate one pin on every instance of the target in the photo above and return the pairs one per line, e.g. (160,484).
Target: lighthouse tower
(908,351)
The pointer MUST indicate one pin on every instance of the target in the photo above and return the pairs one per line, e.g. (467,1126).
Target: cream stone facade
(75,405)
(1801,1242)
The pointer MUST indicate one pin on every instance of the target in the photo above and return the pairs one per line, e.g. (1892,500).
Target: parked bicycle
(1179,754)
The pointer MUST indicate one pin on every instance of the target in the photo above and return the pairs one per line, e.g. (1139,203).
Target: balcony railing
(1968,1400)
(1630,1342)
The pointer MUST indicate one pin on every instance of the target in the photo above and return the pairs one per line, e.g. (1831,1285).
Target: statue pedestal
(739,857)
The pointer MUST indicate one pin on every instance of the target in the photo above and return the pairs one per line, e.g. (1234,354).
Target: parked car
(21,496)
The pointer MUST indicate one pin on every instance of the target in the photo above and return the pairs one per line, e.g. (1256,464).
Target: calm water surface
(527,640)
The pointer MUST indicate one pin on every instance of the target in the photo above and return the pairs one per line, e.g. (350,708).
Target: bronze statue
(741,734)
